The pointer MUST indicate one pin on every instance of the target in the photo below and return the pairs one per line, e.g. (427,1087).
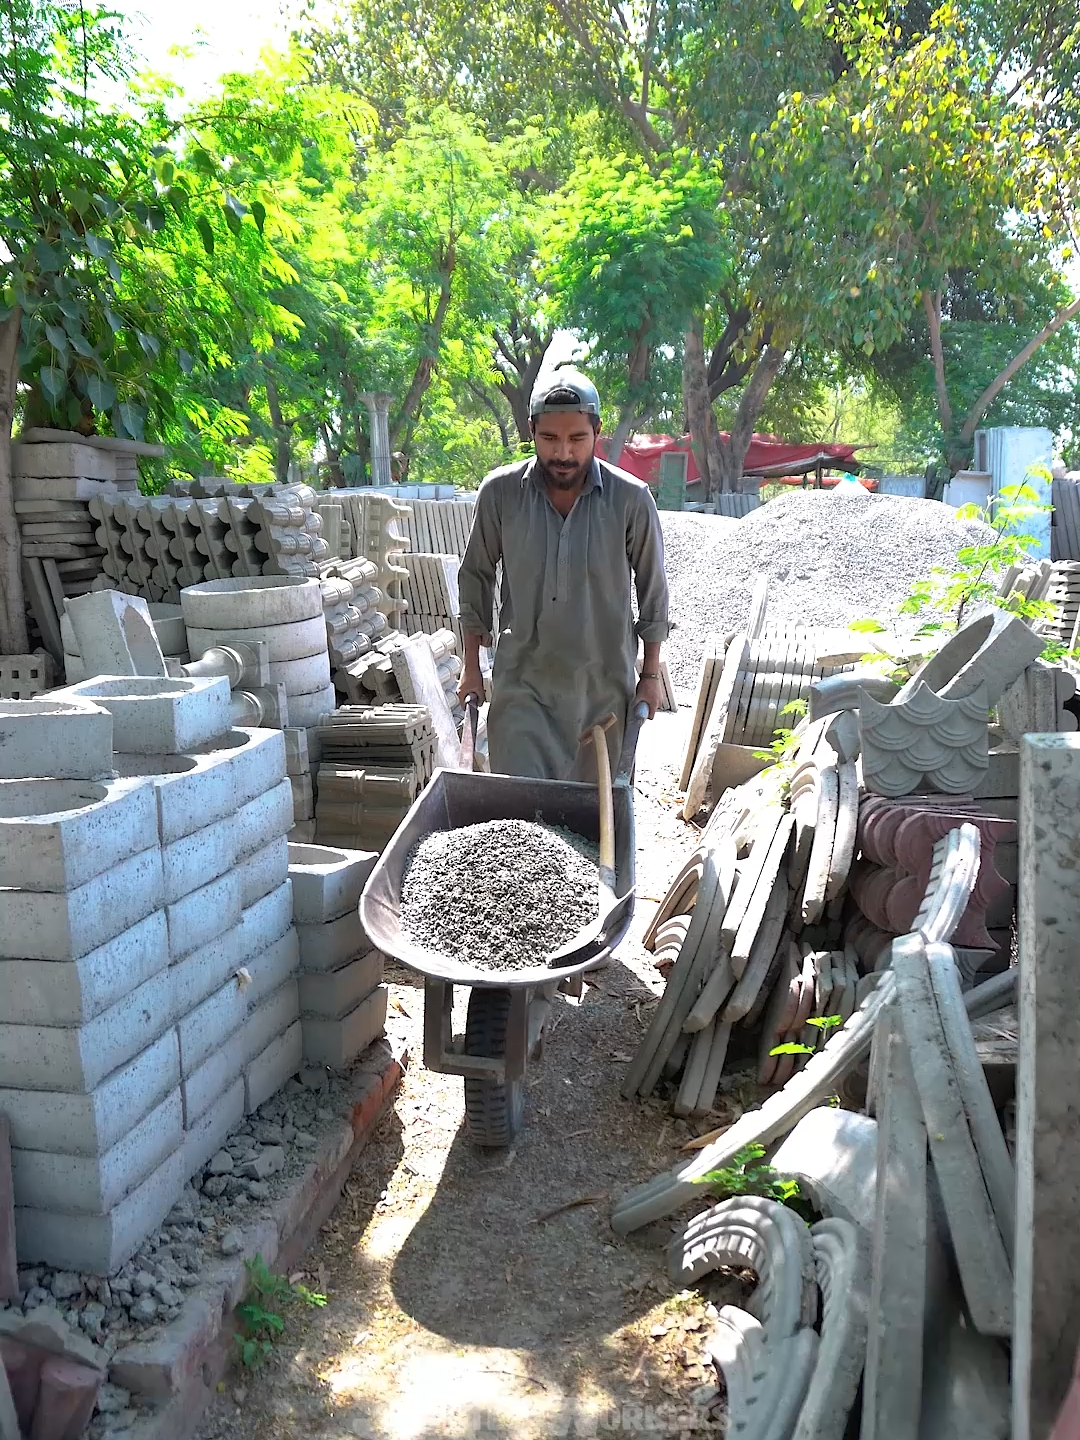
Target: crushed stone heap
(829,558)
(501,895)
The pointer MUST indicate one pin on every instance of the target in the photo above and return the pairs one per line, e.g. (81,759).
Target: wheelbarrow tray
(456,798)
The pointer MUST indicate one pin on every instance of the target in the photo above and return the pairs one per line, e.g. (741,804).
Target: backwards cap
(569,391)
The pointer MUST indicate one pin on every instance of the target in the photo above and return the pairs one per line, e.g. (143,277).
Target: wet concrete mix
(501,895)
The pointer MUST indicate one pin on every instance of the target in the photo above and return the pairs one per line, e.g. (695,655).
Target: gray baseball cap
(558,384)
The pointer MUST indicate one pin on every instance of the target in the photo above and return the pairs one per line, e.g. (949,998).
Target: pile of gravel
(501,895)
(830,558)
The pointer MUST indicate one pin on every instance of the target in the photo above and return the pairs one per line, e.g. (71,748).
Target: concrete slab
(328,947)
(212,1128)
(199,974)
(159,716)
(115,634)
(263,819)
(327,882)
(263,871)
(212,1078)
(337,1042)
(55,739)
(201,916)
(265,921)
(194,860)
(41,1057)
(58,834)
(210,1024)
(37,926)
(92,1185)
(270,968)
(92,1124)
(333,994)
(269,1071)
(101,1243)
(51,992)
(270,1019)
(50,459)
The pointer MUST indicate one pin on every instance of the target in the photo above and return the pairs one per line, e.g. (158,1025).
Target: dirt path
(455,1309)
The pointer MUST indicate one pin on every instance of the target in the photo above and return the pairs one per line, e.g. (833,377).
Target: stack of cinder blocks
(342,999)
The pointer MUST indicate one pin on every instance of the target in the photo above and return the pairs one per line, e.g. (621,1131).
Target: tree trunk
(410,406)
(638,374)
(622,432)
(695,383)
(13,637)
(733,450)
(282,445)
(932,306)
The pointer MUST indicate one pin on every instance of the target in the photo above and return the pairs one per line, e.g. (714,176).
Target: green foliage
(747,1176)
(824,1023)
(263,1312)
(785,741)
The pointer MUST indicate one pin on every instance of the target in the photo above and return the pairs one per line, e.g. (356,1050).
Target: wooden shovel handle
(607,805)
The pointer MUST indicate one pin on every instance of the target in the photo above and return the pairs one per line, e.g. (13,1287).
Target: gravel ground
(829,558)
(499,895)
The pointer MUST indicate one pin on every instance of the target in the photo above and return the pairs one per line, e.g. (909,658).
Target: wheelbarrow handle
(468,733)
(639,713)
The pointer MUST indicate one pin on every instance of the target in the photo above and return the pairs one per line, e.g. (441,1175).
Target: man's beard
(564,479)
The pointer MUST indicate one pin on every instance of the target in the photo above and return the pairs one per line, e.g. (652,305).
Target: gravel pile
(501,895)
(829,558)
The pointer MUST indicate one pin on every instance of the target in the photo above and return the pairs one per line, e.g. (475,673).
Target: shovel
(467,753)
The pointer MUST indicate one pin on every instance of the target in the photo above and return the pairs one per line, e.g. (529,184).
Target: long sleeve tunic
(567,638)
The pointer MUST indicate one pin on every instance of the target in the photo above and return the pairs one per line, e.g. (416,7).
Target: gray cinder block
(332,994)
(268,1072)
(327,882)
(58,739)
(58,834)
(329,946)
(159,716)
(337,1042)
(38,926)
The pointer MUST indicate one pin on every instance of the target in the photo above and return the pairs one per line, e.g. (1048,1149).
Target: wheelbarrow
(508,1012)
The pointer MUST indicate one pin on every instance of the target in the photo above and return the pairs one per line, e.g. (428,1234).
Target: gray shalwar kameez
(567,639)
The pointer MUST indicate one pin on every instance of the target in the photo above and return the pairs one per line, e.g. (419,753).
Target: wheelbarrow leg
(497,1027)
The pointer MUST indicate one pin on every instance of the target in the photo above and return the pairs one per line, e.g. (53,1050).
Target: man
(571,531)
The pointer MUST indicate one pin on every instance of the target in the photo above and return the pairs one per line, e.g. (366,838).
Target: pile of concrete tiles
(342,998)
(151,954)
(365,737)
(373,679)
(351,601)
(361,808)
(440,527)
(432,593)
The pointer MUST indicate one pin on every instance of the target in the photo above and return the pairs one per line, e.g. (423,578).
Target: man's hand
(471,683)
(652,692)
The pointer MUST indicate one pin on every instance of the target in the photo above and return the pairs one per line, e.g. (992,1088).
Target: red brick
(9,1265)
(65,1401)
(23,1365)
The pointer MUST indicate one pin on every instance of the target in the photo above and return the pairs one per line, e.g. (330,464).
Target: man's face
(564,447)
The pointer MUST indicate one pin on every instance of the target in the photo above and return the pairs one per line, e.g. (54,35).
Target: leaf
(867,627)
(233,220)
(132,418)
(53,381)
(235,206)
(185,360)
(151,345)
(57,338)
(206,233)
(115,273)
(98,246)
(101,392)
(258,214)
(116,324)
(790,1047)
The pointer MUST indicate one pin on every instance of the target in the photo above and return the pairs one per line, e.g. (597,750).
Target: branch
(994,389)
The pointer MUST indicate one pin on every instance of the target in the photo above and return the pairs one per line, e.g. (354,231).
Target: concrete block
(263,871)
(207,1027)
(332,994)
(115,634)
(212,1078)
(297,761)
(302,677)
(308,710)
(203,914)
(57,458)
(159,716)
(257,758)
(327,883)
(263,819)
(194,860)
(93,1123)
(58,834)
(101,1243)
(37,926)
(265,921)
(55,739)
(92,1185)
(303,792)
(51,992)
(302,833)
(38,487)
(199,975)
(283,642)
(270,1019)
(272,966)
(169,627)
(329,946)
(42,1057)
(252,601)
(269,1071)
(337,1042)
(212,1128)
(190,791)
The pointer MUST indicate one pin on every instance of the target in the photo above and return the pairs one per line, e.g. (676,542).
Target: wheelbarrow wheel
(493,1109)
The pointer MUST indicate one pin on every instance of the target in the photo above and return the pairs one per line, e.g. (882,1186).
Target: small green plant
(823,1023)
(260,1314)
(785,742)
(746,1176)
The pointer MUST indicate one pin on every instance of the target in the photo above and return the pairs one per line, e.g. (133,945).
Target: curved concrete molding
(842,1258)
(803,796)
(923,740)
(991,650)
(953,876)
(841,692)
(832,1153)
(753,1233)
(766,1380)
(734,661)
(847,824)
(821,850)
(845,1049)
(842,733)
(681,894)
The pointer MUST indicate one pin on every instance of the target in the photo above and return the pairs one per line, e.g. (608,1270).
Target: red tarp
(768,455)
